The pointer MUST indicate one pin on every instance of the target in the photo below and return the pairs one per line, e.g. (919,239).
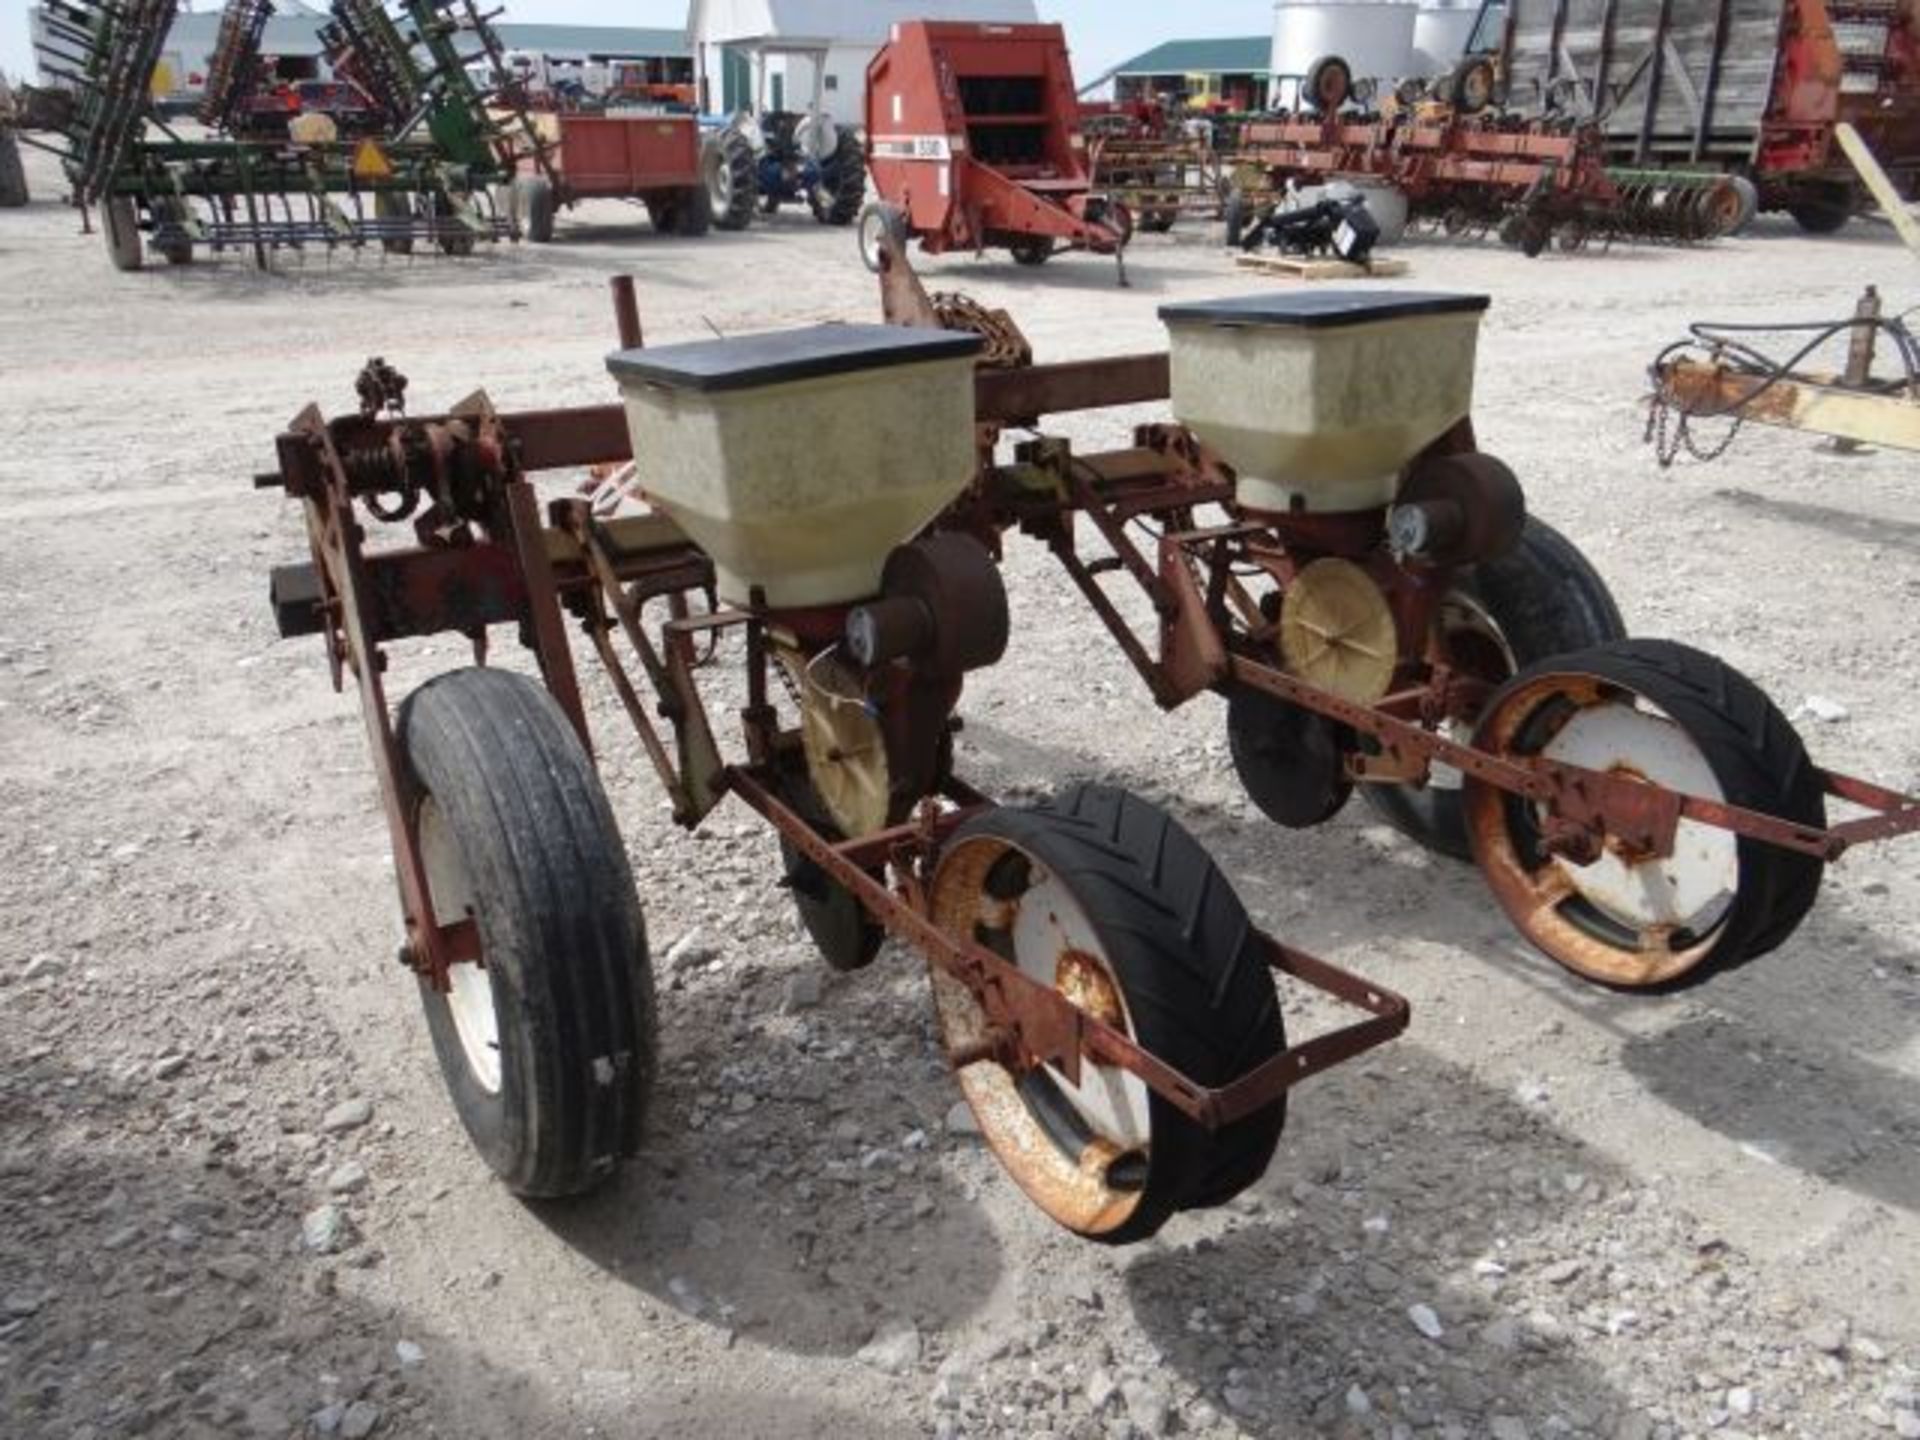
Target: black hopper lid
(747,361)
(1321,309)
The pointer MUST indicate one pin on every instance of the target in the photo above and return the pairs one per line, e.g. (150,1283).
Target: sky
(1101,32)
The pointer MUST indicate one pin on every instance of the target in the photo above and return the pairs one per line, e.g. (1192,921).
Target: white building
(771,49)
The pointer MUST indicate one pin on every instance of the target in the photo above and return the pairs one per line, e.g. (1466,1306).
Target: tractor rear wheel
(1105,898)
(1668,715)
(732,187)
(120,224)
(1543,598)
(842,190)
(692,212)
(547,1044)
(13,173)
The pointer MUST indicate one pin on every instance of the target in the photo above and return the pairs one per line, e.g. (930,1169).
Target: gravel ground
(233,1199)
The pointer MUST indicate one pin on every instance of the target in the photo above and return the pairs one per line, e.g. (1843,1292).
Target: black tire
(728,166)
(692,213)
(1328,85)
(843,183)
(1033,251)
(450,233)
(1190,968)
(1822,210)
(1235,214)
(1290,761)
(174,212)
(533,203)
(877,220)
(120,225)
(1544,598)
(1473,85)
(390,205)
(1755,755)
(1749,194)
(1158,222)
(841,930)
(13,173)
(506,781)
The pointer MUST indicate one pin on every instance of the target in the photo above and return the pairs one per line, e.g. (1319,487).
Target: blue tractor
(763,157)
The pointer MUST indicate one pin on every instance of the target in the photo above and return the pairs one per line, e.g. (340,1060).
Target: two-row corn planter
(1109,1010)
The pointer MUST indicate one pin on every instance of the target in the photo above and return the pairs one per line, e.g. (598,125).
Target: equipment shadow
(1849,525)
(819,1210)
(1815,1104)
(1404,1181)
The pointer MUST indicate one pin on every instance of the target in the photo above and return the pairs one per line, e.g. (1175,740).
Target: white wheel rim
(1055,944)
(1688,891)
(469,999)
(1460,612)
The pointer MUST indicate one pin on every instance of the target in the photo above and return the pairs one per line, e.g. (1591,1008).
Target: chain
(1670,430)
(1006,347)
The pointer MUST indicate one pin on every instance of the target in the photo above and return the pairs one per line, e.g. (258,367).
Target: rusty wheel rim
(1079,1152)
(1622,920)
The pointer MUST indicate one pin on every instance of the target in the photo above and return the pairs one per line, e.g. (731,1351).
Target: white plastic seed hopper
(799,460)
(1320,399)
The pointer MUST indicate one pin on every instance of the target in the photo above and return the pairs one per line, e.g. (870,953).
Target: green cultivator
(428,183)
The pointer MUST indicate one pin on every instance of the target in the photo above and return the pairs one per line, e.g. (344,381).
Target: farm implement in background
(427,180)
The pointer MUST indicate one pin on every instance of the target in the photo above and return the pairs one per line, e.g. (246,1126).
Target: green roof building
(1233,71)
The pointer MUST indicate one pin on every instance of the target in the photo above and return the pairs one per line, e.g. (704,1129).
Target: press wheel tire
(838,924)
(843,183)
(518,834)
(13,173)
(728,165)
(120,224)
(1134,919)
(1543,598)
(1732,898)
(533,204)
(878,220)
(1034,251)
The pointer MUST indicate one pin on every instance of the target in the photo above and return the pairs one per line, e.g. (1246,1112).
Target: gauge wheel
(547,1042)
(1672,716)
(120,223)
(1291,762)
(1107,899)
(390,206)
(1542,598)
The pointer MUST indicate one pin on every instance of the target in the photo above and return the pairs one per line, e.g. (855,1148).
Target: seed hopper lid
(1321,309)
(748,361)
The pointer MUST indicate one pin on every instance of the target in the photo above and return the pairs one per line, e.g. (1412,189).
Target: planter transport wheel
(547,1043)
(1663,713)
(1108,900)
(1541,599)
(391,205)
(120,223)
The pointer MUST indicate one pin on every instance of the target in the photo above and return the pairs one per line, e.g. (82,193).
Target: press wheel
(1108,900)
(1668,715)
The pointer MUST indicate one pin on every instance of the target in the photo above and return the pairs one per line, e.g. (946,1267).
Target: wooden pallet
(1294,267)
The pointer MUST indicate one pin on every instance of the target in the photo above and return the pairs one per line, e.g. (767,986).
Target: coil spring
(376,470)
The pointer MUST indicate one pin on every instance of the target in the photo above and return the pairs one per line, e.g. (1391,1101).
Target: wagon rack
(1755,89)
(1160,166)
(1532,180)
(942,868)
(426,183)
(1379,649)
